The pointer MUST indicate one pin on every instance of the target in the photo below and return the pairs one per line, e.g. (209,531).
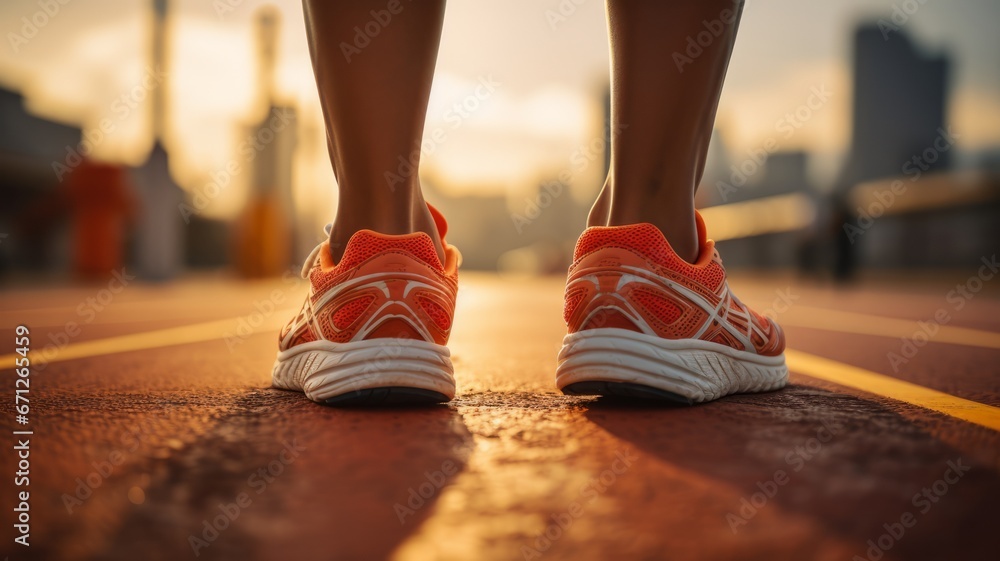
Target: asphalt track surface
(156,436)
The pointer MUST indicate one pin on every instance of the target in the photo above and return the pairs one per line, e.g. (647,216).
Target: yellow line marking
(887,386)
(183,335)
(140,318)
(868,324)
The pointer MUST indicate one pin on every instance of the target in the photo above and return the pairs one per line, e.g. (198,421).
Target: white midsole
(324,369)
(695,369)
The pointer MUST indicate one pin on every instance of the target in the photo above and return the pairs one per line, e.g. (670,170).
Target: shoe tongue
(365,244)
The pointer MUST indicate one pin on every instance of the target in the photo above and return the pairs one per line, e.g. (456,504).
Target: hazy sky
(545,107)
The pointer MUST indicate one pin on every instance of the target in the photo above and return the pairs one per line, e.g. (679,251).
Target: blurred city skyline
(546,61)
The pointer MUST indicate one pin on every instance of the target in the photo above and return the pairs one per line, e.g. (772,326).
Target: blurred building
(935,218)
(546,225)
(765,179)
(29,148)
(264,233)
(57,202)
(159,243)
(37,209)
(30,141)
(159,235)
(479,225)
(782,173)
(900,104)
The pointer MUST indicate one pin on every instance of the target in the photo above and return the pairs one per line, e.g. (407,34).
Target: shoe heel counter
(413,301)
(593,299)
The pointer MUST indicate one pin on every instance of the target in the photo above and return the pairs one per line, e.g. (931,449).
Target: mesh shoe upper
(629,277)
(383,286)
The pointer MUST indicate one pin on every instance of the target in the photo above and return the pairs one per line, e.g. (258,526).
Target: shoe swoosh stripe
(712,310)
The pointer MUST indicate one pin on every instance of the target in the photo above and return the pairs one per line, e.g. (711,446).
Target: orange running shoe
(374,326)
(645,323)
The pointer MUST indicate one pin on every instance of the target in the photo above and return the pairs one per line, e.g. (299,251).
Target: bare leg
(665,113)
(374,102)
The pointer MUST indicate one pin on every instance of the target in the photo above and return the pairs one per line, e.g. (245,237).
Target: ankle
(598,215)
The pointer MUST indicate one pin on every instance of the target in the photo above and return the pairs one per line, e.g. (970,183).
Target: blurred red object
(101,206)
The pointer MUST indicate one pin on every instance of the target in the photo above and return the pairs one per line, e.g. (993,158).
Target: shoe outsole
(623,363)
(378,372)
(625,390)
(387,396)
